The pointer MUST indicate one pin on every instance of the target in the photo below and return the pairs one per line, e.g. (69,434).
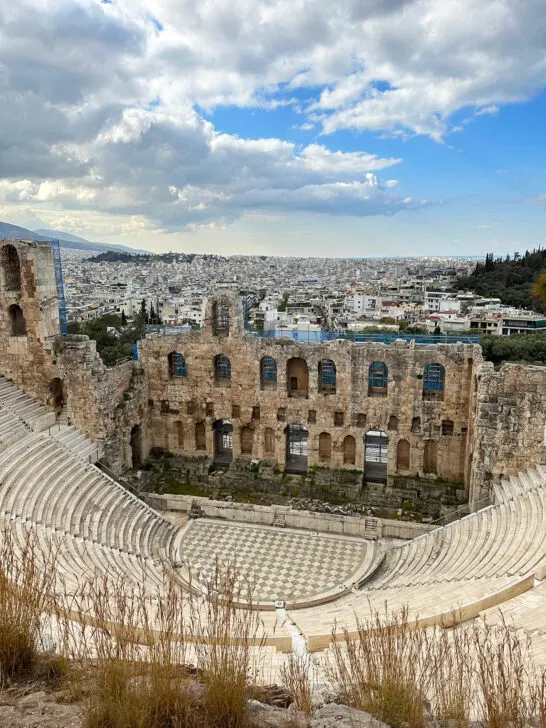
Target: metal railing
(166,329)
(319,337)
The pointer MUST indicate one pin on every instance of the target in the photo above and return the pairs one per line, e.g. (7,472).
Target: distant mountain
(65,239)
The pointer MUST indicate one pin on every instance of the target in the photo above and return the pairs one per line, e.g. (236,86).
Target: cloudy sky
(289,127)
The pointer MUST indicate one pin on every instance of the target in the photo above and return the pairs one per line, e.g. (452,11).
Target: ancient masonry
(437,412)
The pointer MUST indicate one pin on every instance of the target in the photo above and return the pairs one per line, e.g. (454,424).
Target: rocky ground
(46,708)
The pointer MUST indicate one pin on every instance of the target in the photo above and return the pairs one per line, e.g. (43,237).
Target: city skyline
(348,129)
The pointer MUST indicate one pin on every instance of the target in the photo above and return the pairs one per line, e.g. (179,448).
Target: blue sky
(288,127)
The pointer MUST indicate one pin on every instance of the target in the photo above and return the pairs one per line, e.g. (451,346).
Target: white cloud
(102,104)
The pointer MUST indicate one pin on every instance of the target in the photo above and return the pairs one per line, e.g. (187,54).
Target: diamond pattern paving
(289,565)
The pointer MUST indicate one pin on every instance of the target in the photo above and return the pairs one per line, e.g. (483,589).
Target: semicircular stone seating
(493,557)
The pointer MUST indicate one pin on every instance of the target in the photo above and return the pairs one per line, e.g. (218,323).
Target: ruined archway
(297,377)
(403,455)
(296,449)
(136,446)
(18,325)
(269,441)
(349,450)
(325,447)
(12,269)
(220,318)
(430,457)
(246,440)
(223,442)
(56,394)
(375,456)
(200,436)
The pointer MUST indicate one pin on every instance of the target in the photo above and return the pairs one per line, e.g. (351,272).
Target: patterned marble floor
(281,564)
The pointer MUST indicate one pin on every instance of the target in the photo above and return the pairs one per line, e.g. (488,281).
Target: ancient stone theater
(352,412)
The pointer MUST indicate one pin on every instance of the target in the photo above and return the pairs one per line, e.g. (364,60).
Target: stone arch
(349,450)
(12,268)
(200,436)
(56,394)
(18,325)
(268,373)
(222,370)
(223,442)
(179,426)
(327,376)
(430,457)
(177,365)
(403,455)
(220,318)
(378,378)
(136,446)
(297,377)
(375,456)
(393,423)
(246,440)
(269,441)
(296,448)
(325,447)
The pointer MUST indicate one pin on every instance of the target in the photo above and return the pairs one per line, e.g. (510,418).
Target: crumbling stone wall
(351,411)
(509,424)
(488,423)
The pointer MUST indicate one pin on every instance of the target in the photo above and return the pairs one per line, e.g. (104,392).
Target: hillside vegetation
(512,279)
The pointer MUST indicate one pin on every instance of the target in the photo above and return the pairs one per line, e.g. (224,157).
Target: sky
(280,127)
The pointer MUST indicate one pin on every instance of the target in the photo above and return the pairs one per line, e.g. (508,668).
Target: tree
(144,311)
(539,289)
(123,319)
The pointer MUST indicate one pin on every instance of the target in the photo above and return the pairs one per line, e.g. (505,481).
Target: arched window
(222,370)
(268,373)
(349,450)
(433,381)
(430,460)
(297,377)
(200,437)
(403,455)
(247,437)
(269,441)
(17,320)
(325,447)
(378,376)
(177,365)
(327,376)
(12,268)
(220,318)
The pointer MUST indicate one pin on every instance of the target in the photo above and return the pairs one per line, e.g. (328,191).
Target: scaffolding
(56,248)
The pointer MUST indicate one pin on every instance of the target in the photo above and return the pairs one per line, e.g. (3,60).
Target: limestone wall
(260,414)
(485,425)
(509,425)
(362,526)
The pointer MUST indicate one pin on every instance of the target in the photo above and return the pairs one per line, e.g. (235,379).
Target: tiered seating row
(14,401)
(503,540)
(516,485)
(42,482)
(71,438)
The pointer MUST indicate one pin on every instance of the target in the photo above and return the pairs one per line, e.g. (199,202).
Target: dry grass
(27,580)
(408,675)
(296,676)
(136,645)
